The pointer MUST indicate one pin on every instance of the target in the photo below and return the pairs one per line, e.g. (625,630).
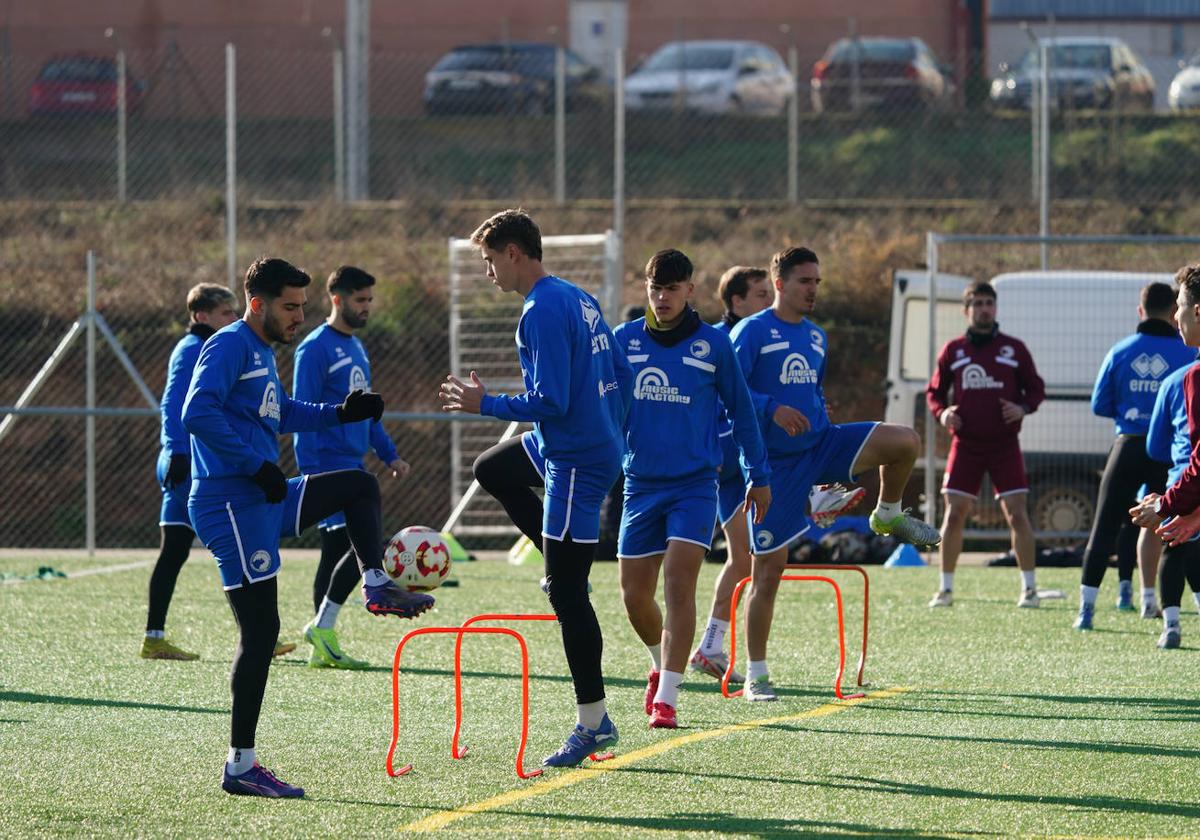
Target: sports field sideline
(981,720)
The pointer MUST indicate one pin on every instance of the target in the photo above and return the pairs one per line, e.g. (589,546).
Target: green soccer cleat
(163,649)
(759,691)
(907,529)
(327,653)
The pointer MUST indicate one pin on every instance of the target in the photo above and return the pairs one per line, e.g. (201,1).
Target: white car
(1184,93)
(712,77)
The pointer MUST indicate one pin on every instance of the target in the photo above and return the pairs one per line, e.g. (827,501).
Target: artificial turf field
(981,721)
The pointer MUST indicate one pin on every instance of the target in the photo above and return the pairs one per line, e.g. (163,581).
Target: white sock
(714,636)
(655,652)
(1196,598)
(887,510)
(668,688)
(758,668)
(1088,594)
(1171,616)
(375,577)
(1029,579)
(327,615)
(947,581)
(240,760)
(156,634)
(1149,596)
(590,715)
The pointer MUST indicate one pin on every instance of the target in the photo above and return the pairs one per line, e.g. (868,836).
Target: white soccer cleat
(829,501)
(1029,599)
(945,598)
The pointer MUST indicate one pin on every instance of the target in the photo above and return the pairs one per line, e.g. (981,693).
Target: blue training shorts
(574,493)
(830,460)
(174,502)
(669,511)
(529,441)
(242,530)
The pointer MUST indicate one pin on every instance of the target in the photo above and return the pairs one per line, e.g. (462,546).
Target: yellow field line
(440,820)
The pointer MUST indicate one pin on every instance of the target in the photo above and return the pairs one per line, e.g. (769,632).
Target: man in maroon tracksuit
(995,385)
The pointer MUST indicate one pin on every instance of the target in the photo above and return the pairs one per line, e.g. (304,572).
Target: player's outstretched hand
(1143,513)
(791,420)
(758,499)
(457,395)
(272,481)
(178,472)
(1180,529)
(360,405)
(400,468)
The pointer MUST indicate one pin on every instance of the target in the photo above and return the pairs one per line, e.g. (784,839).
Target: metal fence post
(1044,208)
(560,126)
(793,161)
(931,260)
(231,166)
(90,421)
(339,128)
(122,105)
(619,160)
(855,66)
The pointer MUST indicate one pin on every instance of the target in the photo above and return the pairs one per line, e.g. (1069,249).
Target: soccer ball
(417,558)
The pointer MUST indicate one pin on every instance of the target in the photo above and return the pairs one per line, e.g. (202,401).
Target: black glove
(272,481)
(179,472)
(360,405)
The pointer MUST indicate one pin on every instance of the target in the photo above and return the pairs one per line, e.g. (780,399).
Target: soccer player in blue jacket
(210,307)
(782,354)
(241,503)
(1125,390)
(330,363)
(684,371)
(578,386)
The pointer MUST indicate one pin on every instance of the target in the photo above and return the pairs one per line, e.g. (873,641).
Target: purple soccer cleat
(259,781)
(390,599)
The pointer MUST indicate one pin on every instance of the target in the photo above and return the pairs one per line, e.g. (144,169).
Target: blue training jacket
(1131,374)
(577,382)
(329,365)
(784,364)
(172,435)
(236,409)
(671,430)
(1168,438)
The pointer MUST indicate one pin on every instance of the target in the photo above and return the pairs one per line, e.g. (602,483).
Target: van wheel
(1061,509)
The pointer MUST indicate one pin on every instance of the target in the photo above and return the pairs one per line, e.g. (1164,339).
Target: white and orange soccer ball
(417,558)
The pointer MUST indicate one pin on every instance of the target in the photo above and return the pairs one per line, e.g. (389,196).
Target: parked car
(713,77)
(81,84)
(1085,72)
(508,78)
(1184,92)
(892,73)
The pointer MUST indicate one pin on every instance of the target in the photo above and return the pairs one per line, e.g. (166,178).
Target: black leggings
(1179,562)
(337,571)
(506,472)
(1127,469)
(176,544)
(256,605)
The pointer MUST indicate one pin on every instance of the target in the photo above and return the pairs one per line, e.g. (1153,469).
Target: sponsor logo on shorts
(700,348)
(260,561)
(796,371)
(975,378)
(764,539)
(269,407)
(652,384)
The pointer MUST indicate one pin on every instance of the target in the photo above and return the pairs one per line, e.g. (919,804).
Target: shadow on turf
(53,699)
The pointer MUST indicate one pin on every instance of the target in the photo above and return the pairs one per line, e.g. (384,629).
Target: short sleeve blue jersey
(236,407)
(784,364)
(329,365)
(1132,371)
(671,429)
(173,436)
(1168,439)
(577,382)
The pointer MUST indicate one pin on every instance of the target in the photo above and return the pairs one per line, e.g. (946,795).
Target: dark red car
(892,73)
(81,84)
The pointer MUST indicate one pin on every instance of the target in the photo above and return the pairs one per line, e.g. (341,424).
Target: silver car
(713,77)
(1085,72)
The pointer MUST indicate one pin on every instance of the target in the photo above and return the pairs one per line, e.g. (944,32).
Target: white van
(1069,320)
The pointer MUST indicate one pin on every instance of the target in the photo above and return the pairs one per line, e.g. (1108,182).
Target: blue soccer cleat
(583,743)
(259,781)
(1083,621)
(390,599)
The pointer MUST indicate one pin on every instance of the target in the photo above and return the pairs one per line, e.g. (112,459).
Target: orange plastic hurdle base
(459,631)
(837,593)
